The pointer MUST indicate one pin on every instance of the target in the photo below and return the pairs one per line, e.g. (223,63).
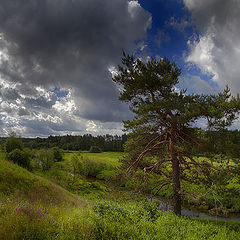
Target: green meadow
(109,158)
(56,205)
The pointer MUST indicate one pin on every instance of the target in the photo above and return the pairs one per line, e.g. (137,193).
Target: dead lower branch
(141,155)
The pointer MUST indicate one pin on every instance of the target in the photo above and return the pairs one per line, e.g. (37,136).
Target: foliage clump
(45,158)
(13,143)
(16,152)
(95,149)
(57,153)
(20,157)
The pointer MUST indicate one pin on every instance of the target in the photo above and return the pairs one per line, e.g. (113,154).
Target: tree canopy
(13,143)
(164,115)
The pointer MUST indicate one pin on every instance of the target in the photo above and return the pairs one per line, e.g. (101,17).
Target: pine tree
(163,118)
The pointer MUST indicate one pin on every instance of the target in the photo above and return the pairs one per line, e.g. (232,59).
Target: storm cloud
(68,45)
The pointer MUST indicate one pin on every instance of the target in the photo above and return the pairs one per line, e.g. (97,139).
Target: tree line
(77,143)
(224,141)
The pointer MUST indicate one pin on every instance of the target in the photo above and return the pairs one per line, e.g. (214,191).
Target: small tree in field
(13,143)
(57,154)
(95,149)
(45,158)
(162,126)
(77,165)
(20,157)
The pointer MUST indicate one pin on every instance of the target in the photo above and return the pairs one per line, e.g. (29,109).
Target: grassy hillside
(18,182)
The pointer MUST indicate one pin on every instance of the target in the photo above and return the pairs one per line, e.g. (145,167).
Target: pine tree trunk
(176,180)
(176,186)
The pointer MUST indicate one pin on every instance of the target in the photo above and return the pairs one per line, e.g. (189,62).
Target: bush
(95,149)
(77,165)
(20,157)
(13,143)
(92,168)
(125,212)
(57,154)
(82,187)
(108,174)
(45,157)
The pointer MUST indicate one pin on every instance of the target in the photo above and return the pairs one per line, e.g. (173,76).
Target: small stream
(190,213)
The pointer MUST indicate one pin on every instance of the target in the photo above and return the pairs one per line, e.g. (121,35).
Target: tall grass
(17,181)
(105,220)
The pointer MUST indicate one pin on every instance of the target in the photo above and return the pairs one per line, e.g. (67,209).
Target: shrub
(76,165)
(95,149)
(108,174)
(20,157)
(92,168)
(57,154)
(127,212)
(45,158)
(82,187)
(13,143)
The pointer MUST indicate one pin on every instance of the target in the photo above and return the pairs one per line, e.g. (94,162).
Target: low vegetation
(95,149)
(84,195)
(17,182)
(34,208)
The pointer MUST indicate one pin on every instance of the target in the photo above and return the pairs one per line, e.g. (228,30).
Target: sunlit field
(109,158)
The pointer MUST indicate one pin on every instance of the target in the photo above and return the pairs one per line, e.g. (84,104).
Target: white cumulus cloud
(217,50)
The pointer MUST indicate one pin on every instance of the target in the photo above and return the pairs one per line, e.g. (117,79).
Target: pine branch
(205,164)
(141,155)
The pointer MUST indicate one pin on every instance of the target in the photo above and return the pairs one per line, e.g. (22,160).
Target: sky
(57,57)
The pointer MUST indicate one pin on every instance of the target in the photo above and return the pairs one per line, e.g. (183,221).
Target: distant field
(111,158)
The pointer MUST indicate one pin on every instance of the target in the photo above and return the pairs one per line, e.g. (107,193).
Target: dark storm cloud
(70,44)
(23,112)
(41,102)
(9,94)
(38,128)
(209,12)
(46,128)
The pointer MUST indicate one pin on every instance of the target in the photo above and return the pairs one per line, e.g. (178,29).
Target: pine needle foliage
(161,132)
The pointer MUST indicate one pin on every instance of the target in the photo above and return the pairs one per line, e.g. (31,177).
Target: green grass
(222,198)
(109,158)
(2,155)
(104,220)
(18,182)
(32,207)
